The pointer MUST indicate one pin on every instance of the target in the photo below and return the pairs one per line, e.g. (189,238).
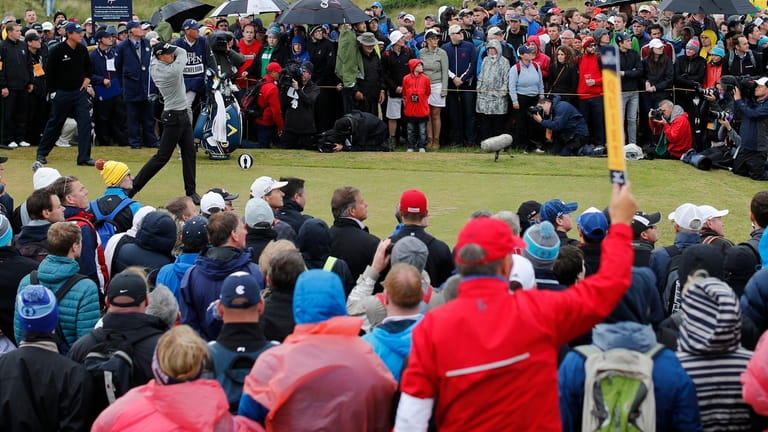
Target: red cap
(274,67)
(492,235)
(413,202)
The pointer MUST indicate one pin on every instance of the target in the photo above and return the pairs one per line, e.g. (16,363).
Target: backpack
(250,101)
(105,225)
(618,389)
(61,341)
(232,367)
(672,294)
(520,68)
(110,364)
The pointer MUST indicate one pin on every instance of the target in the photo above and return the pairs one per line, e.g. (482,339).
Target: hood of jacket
(711,318)
(318,296)
(677,111)
(216,263)
(314,242)
(173,400)
(535,39)
(157,233)
(637,305)
(35,231)
(301,41)
(54,269)
(399,342)
(496,45)
(628,335)
(412,63)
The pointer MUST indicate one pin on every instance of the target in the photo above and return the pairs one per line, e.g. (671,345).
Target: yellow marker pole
(614,118)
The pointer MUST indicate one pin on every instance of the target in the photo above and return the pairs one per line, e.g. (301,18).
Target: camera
(414,98)
(292,71)
(746,84)
(219,41)
(657,114)
(711,92)
(536,109)
(720,115)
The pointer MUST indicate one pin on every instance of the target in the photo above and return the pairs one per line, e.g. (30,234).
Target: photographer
(751,157)
(670,123)
(221,55)
(300,110)
(569,129)
(356,131)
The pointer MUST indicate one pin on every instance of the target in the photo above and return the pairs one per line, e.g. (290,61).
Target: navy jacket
(99,59)
(134,70)
(462,61)
(565,119)
(153,246)
(194,71)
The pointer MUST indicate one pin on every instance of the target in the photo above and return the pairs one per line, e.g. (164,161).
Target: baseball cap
(395,36)
(430,16)
(431,33)
(413,201)
(37,310)
(644,8)
(762,81)
(224,194)
(593,224)
(376,4)
(587,41)
(409,17)
(555,208)
(465,12)
(601,17)
(194,233)
(639,20)
(132,25)
(145,25)
(73,28)
(523,49)
(163,48)
(490,234)
(687,217)
(36,26)
(264,185)
(47,26)
(274,67)
(211,201)
(642,221)
(258,213)
(127,285)
(455,28)
(493,31)
(621,37)
(514,17)
(3,159)
(528,210)
(121,28)
(88,20)
(190,24)
(240,290)
(655,43)
(708,212)
(30,36)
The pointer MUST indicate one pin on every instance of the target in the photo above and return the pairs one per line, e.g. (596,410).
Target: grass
(456,182)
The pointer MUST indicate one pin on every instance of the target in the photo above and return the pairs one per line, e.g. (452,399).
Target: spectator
(631,73)
(590,90)
(194,237)
(542,248)
(36,377)
(284,267)
(558,213)
(526,83)
(14,268)
(39,108)
(593,227)
(197,60)
(350,239)
(109,115)
(526,384)
(44,209)
(493,93)
(713,229)
(132,64)
(564,75)
(435,61)
(299,128)
(125,326)
(118,179)
(658,75)
(179,361)
(201,284)
(152,249)
(462,67)
(754,140)
(79,308)
(743,260)
(645,236)
(394,62)
(270,125)
(314,242)
(268,189)
(294,200)
(567,127)
(15,85)
(324,346)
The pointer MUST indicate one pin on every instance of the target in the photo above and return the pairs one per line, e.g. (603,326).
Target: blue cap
(593,224)
(376,4)
(36,309)
(621,36)
(73,28)
(132,25)
(190,24)
(553,209)
(240,290)
(523,49)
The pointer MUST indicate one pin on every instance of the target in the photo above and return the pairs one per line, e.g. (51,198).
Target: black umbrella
(175,13)
(323,12)
(725,7)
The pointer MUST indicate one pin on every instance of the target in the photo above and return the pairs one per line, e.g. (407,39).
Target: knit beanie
(36,309)
(113,172)
(693,45)
(542,245)
(43,176)
(6,232)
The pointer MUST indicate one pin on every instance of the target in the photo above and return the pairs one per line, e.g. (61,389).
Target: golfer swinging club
(167,69)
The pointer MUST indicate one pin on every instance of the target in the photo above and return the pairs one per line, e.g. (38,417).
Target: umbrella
(175,13)
(246,7)
(725,7)
(323,12)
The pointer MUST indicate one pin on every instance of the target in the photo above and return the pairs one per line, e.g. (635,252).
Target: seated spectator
(42,390)
(164,402)
(211,203)
(194,237)
(324,359)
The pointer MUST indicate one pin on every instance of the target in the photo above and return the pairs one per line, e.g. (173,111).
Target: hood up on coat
(157,233)
(711,318)
(318,296)
(412,63)
(314,242)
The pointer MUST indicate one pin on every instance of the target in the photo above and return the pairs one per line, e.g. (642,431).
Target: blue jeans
(630,102)
(461,112)
(417,133)
(65,104)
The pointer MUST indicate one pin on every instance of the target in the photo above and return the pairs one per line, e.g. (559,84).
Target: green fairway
(456,183)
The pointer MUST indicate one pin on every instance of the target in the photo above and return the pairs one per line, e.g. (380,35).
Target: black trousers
(177,129)
(37,116)
(16,108)
(109,121)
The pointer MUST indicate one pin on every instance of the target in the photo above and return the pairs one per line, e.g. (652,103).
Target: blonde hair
(270,250)
(181,353)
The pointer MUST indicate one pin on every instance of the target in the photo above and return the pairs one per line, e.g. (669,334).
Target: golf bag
(219,127)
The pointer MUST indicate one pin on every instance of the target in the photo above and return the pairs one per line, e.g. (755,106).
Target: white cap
(687,217)
(762,81)
(264,185)
(655,43)
(522,272)
(210,201)
(47,26)
(409,17)
(395,36)
(44,177)
(644,8)
(708,212)
(88,20)
(258,211)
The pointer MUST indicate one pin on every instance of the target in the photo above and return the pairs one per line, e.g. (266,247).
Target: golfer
(167,68)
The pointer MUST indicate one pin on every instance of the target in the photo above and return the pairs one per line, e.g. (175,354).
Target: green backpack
(618,389)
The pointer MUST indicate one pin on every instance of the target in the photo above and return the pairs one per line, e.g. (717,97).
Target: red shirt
(489,358)
(246,50)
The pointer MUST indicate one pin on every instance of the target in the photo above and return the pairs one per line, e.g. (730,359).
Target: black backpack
(672,294)
(250,101)
(232,367)
(61,341)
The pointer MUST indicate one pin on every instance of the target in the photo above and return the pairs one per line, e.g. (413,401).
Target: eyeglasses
(66,183)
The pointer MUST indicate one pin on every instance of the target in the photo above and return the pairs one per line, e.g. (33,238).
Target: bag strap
(329,263)
(123,204)
(672,250)
(587,350)
(655,350)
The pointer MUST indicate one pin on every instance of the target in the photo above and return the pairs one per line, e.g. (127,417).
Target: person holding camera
(416,89)
(569,130)
(750,159)
(670,123)
(300,110)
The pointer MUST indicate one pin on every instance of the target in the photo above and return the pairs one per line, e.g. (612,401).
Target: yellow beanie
(113,172)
